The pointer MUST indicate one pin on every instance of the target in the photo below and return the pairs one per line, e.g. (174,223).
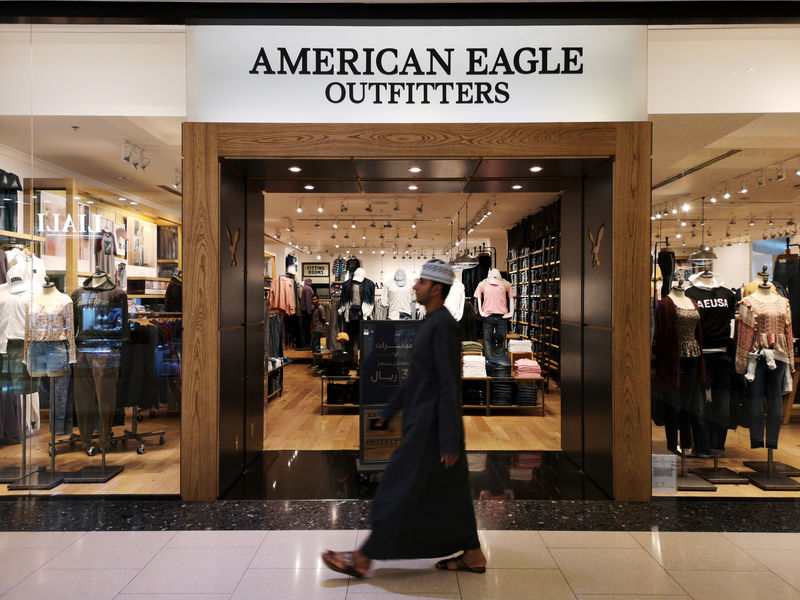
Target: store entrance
(370,199)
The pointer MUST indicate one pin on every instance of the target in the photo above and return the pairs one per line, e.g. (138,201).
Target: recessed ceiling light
(336,226)
(134,203)
(678,235)
(121,199)
(713,199)
(353,225)
(685,207)
(76,197)
(90,202)
(516,187)
(414,170)
(413,187)
(361,252)
(295,169)
(536,169)
(373,251)
(382,252)
(309,187)
(337,245)
(318,257)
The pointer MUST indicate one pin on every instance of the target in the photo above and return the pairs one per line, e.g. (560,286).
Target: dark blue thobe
(421,509)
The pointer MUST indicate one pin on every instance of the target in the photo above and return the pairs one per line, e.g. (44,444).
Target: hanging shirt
(455,300)
(494,298)
(14,307)
(282,296)
(717,307)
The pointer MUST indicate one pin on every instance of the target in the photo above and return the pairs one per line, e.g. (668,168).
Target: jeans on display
(684,410)
(8,212)
(788,274)
(718,378)
(494,335)
(766,388)
(48,359)
(62,412)
(96,377)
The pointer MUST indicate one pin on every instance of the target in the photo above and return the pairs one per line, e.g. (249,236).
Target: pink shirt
(495,297)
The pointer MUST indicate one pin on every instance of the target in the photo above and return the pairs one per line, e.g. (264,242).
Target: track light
(363,236)
(713,199)
(299,206)
(369,206)
(335,225)
(396,206)
(342,206)
(780,173)
(743,189)
(353,225)
(658,215)
(685,207)
(761,178)
(316,225)
(372,225)
(666,212)
(726,194)
(683,223)
(319,206)
(419,207)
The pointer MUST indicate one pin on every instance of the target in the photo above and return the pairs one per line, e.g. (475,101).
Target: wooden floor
(294,421)
(157,471)
(737,449)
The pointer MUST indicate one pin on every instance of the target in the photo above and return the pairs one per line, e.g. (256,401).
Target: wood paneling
(402,140)
(200,403)
(630,306)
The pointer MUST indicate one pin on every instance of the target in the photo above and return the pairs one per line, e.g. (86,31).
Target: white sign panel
(416,74)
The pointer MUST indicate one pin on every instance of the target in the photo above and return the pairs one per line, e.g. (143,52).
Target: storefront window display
(91,354)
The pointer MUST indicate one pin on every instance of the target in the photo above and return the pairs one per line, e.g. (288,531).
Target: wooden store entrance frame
(205,143)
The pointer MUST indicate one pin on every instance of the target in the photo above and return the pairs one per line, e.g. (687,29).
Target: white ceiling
(93,154)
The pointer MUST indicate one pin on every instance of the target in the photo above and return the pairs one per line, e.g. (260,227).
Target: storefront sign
(53,223)
(417,74)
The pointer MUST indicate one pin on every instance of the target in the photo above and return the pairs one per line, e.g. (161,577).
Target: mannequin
(358,302)
(717,306)
(101,326)
(173,297)
(105,246)
(456,297)
(680,371)
(754,285)
(765,346)
(50,349)
(15,306)
(34,266)
(496,305)
(398,296)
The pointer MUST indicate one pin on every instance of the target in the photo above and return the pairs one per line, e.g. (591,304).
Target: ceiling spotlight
(674,210)
(318,257)
(134,203)
(771,222)
(652,217)
(308,187)
(364,236)
(373,251)
(76,197)
(413,187)
(743,189)
(346,235)
(295,169)
(797,172)
(337,245)
(536,169)
(382,252)
(726,194)
(342,206)
(396,207)
(413,224)
(300,206)
(516,187)
(713,199)
(761,178)
(678,235)
(121,199)
(752,223)
(361,252)
(90,202)
(658,215)
(387,224)
(348,252)
(335,225)
(414,170)
(316,225)
(333,236)
(683,223)
(372,224)
(780,173)
(353,225)
(685,207)
(419,207)
(319,206)
(369,206)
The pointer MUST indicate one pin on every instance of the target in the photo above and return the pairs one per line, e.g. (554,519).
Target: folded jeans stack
(473,393)
(473,366)
(502,393)
(526,395)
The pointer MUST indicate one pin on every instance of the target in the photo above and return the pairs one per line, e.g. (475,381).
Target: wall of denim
(787,273)
(684,410)
(765,394)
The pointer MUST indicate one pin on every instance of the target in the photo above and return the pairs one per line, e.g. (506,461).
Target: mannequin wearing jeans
(496,305)
(680,371)
(765,324)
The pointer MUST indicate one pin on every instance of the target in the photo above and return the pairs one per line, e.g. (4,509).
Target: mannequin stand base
(777,482)
(14,474)
(693,483)
(92,474)
(778,467)
(720,476)
(39,480)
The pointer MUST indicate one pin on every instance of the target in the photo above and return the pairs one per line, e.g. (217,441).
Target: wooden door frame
(205,143)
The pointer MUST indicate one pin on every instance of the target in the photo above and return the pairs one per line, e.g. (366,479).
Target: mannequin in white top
(706,279)
(50,295)
(398,297)
(366,309)
(495,278)
(678,296)
(455,298)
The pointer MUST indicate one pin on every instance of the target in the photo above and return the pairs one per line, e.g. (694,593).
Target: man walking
(423,507)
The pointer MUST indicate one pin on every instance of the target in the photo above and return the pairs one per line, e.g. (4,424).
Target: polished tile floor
(240,565)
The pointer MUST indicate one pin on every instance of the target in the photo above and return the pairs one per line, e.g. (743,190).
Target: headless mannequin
(50,295)
(764,292)
(455,298)
(366,309)
(494,276)
(99,278)
(705,279)
(678,296)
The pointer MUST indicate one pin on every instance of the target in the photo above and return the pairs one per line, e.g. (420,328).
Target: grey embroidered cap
(437,270)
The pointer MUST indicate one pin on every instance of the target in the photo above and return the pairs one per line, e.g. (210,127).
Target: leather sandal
(347,559)
(460,565)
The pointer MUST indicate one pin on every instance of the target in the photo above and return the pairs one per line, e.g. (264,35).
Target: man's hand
(449,460)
